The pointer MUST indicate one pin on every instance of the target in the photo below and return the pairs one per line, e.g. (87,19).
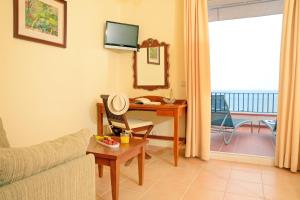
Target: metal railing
(255,102)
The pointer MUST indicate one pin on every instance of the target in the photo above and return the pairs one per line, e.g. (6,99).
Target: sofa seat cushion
(18,163)
(3,139)
(73,180)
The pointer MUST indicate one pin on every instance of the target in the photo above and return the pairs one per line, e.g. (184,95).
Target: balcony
(254,106)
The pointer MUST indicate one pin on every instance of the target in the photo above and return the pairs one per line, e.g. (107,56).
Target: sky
(245,53)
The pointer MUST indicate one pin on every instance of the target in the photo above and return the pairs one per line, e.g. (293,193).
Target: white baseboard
(242,158)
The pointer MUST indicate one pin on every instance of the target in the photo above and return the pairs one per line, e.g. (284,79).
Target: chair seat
(239,122)
(271,124)
(231,123)
(133,123)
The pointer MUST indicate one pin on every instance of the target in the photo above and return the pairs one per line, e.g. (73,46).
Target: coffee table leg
(141,163)
(115,178)
(100,170)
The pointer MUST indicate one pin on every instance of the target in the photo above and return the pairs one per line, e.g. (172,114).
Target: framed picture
(153,55)
(43,21)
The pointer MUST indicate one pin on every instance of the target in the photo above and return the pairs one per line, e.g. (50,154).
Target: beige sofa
(54,170)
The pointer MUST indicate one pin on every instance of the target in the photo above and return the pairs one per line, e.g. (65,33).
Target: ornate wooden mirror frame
(146,44)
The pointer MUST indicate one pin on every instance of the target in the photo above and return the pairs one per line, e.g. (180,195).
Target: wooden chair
(121,121)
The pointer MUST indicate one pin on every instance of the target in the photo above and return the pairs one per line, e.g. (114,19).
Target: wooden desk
(114,157)
(175,110)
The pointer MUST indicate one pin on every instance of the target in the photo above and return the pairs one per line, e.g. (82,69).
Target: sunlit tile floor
(245,142)
(198,180)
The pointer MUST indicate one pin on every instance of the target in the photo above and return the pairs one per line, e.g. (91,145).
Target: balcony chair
(119,119)
(221,120)
(271,124)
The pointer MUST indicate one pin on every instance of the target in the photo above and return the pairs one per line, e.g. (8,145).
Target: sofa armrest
(3,139)
(18,163)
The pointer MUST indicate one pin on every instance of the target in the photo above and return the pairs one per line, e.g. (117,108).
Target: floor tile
(203,180)
(218,171)
(245,188)
(217,164)
(134,186)
(247,167)
(239,175)
(229,196)
(280,192)
(180,176)
(198,194)
(281,177)
(124,195)
(191,163)
(210,181)
(164,191)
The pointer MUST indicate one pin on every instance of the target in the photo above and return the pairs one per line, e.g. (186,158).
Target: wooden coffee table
(114,157)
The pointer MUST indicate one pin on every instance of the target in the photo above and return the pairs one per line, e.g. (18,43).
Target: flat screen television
(121,36)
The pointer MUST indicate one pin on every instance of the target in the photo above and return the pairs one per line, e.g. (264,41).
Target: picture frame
(42,21)
(153,55)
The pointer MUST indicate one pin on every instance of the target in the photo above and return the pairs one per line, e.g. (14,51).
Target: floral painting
(43,21)
(41,17)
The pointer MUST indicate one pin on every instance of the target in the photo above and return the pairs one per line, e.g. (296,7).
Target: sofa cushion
(18,163)
(74,180)
(3,138)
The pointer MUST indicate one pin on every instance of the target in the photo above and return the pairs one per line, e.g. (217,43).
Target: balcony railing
(253,102)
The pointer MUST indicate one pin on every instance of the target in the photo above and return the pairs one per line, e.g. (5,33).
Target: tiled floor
(245,142)
(197,180)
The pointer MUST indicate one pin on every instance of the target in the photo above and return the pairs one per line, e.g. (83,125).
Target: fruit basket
(107,141)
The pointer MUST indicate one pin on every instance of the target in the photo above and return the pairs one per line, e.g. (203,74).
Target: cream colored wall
(162,20)
(45,91)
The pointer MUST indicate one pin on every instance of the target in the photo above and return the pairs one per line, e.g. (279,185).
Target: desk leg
(115,178)
(185,124)
(100,170)
(141,163)
(99,120)
(176,138)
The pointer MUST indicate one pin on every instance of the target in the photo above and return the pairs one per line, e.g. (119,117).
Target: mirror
(151,65)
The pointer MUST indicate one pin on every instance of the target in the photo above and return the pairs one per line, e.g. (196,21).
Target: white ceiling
(219,10)
(231,3)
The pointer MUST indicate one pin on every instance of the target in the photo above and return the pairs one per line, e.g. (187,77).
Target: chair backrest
(220,111)
(3,139)
(112,117)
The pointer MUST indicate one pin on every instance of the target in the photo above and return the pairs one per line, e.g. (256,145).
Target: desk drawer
(165,112)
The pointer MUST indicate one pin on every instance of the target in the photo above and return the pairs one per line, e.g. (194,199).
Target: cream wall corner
(45,91)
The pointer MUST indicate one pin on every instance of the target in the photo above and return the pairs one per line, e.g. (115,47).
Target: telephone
(146,101)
